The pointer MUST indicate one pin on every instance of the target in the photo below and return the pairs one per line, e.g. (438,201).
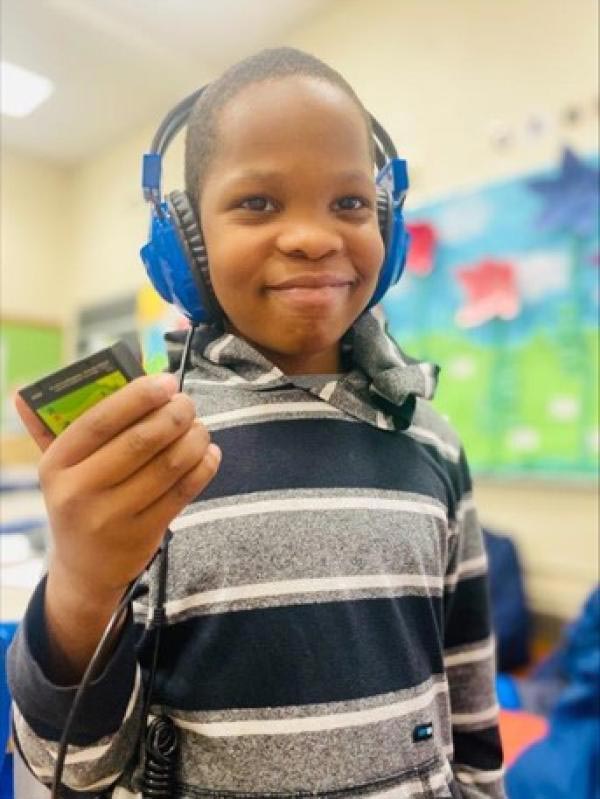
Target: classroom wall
(112,221)
(36,263)
(441,76)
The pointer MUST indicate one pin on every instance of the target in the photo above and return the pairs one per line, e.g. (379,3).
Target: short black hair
(270,64)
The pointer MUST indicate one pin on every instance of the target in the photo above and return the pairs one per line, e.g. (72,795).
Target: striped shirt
(327,623)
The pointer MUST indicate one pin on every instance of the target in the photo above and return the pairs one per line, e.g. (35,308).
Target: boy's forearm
(75,622)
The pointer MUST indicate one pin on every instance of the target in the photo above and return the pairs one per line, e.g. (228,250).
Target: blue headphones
(175,256)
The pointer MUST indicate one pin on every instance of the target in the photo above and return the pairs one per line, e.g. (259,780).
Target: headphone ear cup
(395,240)
(192,241)
(385,216)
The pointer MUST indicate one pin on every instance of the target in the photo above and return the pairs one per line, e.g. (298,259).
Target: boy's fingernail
(215,450)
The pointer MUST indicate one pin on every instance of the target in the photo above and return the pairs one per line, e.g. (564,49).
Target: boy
(327,628)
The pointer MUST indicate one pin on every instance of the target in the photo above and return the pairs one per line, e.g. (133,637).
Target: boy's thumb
(35,427)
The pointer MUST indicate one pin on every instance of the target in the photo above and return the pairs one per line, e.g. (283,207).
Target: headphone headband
(178,116)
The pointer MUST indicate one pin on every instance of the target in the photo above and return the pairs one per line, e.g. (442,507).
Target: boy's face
(288,212)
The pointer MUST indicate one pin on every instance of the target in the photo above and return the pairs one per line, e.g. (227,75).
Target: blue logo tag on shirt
(422,732)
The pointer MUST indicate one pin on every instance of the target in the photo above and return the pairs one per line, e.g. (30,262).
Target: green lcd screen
(59,413)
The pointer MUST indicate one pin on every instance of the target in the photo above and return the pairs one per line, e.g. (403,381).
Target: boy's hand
(115,479)
(112,483)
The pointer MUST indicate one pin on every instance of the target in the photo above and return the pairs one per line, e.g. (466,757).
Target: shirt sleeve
(469,654)
(105,730)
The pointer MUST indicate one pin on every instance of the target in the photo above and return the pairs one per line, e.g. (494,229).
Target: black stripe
(467,610)
(480,750)
(300,654)
(105,700)
(306,454)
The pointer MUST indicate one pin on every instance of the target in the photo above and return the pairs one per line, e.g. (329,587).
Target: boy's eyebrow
(252,173)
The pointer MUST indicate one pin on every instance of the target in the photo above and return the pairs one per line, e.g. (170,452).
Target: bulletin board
(501,290)
(29,350)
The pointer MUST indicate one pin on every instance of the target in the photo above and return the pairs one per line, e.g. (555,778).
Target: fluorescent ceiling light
(22,91)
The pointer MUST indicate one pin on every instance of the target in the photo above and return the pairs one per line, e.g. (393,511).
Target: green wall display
(28,350)
(501,289)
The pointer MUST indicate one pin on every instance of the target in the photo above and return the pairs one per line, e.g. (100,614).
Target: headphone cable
(158,619)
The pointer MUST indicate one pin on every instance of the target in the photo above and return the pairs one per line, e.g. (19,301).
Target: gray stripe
(468,544)
(312,544)
(426,417)
(472,689)
(319,761)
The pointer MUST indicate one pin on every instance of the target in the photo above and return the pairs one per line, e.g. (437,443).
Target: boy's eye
(257,203)
(351,203)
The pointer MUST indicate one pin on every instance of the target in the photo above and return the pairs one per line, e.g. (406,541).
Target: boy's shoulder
(432,424)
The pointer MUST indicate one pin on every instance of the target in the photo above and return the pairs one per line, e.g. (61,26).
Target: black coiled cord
(162,744)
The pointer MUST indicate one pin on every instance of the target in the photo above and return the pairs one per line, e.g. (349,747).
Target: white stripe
(489,714)
(405,791)
(482,777)
(267,377)
(402,792)
(472,656)
(95,752)
(122,793)
(470,565)
(296,505)
(445,449)
(198,381)
(441,780)
(426,372)
(333,721)
(327,390)
(214,352)
(304,586)
(234,380)
(270,409)
(384,421)
(44,773)
(93,786)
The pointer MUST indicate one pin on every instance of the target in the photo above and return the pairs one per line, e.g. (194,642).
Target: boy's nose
(309,240)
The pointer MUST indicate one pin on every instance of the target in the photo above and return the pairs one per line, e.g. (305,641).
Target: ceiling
(118,64)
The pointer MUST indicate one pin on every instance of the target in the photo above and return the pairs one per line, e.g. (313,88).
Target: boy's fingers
(112,415)
(154,479)
(155,439)
(162,512)
(34,425)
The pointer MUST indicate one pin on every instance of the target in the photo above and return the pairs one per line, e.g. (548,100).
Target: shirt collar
(380,388)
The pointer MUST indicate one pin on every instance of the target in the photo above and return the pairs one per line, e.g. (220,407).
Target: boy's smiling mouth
(313,281)
(319,290)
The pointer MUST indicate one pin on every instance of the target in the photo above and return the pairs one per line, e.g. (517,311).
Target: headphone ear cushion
(192,240)
(385,216)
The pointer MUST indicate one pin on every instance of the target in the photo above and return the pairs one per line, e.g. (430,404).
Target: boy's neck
(326,363)
(322,363)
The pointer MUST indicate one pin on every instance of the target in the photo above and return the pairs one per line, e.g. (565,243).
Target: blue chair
(7,630)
